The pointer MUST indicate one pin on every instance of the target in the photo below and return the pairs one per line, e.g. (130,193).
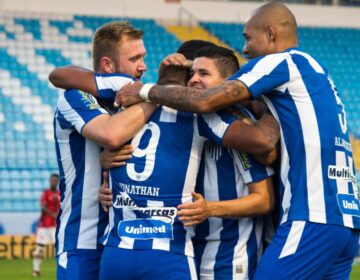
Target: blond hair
(108,37)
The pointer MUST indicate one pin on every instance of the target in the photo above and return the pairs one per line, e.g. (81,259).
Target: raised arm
(185,98)
(74,77)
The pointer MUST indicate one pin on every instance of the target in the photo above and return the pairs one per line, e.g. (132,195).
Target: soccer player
(234,190)
(81,127)
(45,232)
(320,203)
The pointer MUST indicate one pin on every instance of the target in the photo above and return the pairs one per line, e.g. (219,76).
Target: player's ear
(271,33)
(107,64)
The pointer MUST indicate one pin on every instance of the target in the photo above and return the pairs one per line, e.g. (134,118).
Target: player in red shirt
(45,233)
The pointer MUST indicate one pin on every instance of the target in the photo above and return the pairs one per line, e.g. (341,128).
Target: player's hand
(129,94)
(195,212)
(174,59)
(116,158)
(105,193)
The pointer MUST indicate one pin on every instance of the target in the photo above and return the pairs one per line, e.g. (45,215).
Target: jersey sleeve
(250,169)
(213,126)
(108,84)
(76,108)
(264,74)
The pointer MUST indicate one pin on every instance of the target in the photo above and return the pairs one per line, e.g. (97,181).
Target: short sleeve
(76,108)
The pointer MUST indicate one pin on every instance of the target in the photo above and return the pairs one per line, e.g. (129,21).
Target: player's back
(160,175)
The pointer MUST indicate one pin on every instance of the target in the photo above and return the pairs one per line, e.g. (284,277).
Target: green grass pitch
(21,270)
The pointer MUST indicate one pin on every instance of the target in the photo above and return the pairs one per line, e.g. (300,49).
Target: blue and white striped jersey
(317,170)
(81,220)
(228,248)
(160,175)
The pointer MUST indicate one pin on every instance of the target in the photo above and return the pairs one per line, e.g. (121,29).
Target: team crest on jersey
(349,204)
(245,162)
(145,229)
(89,100)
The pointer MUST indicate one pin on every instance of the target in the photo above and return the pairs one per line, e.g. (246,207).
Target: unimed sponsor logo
(145,229)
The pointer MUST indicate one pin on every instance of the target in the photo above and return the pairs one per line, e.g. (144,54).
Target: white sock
(38,253)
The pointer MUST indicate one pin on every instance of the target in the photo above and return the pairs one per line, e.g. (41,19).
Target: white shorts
(45,236)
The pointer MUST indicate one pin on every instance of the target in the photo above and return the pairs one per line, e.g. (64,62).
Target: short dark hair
(189,48)
(225,59)
(54,175)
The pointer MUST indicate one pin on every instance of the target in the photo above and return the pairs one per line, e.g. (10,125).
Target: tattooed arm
(188,99)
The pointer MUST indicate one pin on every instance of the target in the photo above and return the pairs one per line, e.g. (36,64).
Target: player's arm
(186,99)
(74,77)
(259,201)
(257,138)
(114,131)
(45,208)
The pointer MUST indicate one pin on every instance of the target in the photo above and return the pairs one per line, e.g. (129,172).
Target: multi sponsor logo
(341,173)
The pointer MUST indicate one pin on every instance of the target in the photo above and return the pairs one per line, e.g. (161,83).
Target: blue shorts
(305,250)
(125,264)
(78,264)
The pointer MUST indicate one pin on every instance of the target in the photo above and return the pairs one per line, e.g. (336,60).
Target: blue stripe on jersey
(252,249)
(314,134)
(77,146)
(62,121)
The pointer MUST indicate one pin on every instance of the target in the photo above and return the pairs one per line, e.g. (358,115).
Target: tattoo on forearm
(188,99)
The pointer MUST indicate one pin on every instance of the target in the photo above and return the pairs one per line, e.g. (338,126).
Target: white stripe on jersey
(192,268)
(68,166)
(285,165)
(343,186)
(168,114)
(306,111)
(240,251)
(293,239)
(211,120)
(190,181)
(111,218)
(89,210)
(159,244)
(208,259)
(211,193)
(267,65)
(111,82)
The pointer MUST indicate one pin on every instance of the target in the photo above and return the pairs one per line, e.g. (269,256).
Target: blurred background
(37,36)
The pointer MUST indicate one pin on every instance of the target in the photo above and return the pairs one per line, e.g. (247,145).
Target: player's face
(54,182)
(131,54)
(204,74)
(257,42)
